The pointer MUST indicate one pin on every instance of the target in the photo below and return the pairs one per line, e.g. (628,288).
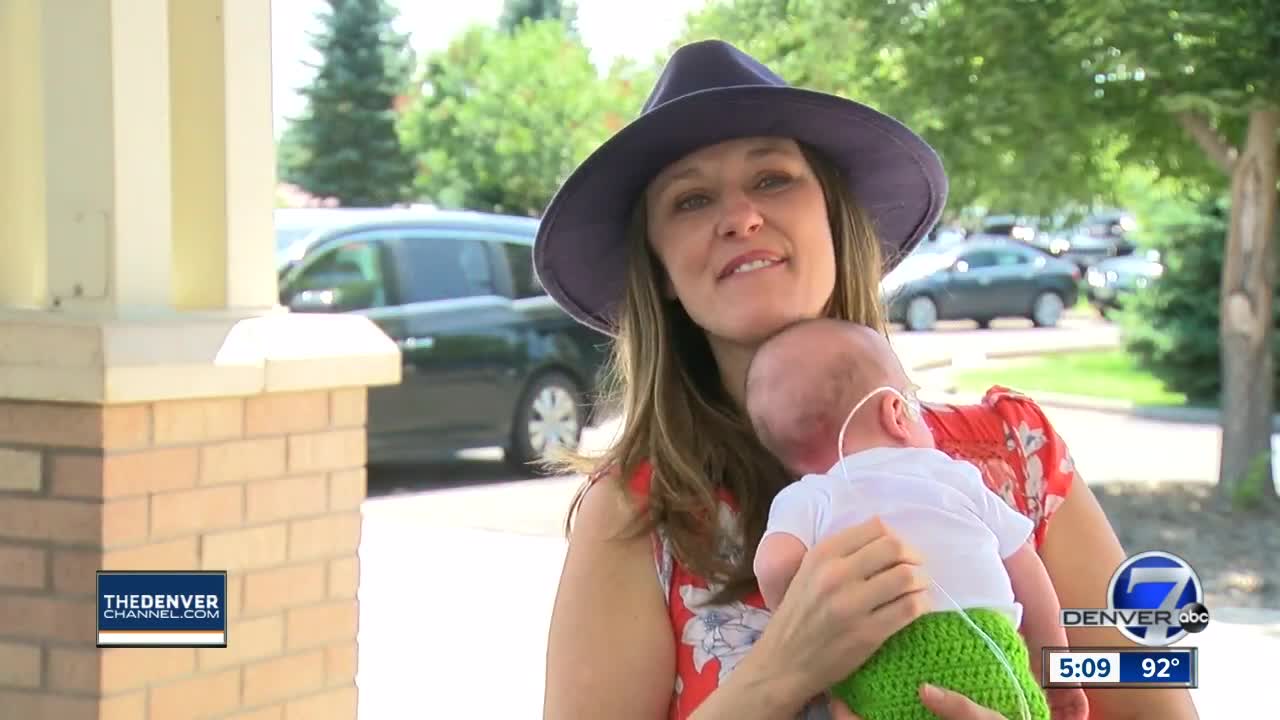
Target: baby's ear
(894,417)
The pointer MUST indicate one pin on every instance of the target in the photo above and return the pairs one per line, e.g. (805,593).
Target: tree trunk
(1248,276)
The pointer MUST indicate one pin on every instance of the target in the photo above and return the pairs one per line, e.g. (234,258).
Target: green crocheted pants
(942,649)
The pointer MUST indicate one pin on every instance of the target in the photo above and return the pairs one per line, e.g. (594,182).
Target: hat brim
(580,252)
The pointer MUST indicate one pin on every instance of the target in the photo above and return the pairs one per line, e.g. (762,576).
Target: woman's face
(741,229)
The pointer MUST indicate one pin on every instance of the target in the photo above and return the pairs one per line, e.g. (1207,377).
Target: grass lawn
(1112,375)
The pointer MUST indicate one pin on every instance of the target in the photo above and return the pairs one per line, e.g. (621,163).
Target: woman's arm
(1081,551)
(610,652)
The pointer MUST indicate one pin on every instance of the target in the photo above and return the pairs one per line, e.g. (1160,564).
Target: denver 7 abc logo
(1155,599)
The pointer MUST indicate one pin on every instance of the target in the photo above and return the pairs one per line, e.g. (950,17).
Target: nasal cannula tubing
(1022,698)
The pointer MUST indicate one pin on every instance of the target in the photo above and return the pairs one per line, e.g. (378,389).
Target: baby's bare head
(803,382)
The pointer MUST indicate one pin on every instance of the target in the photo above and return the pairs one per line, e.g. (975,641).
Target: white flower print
(679,688)
(1067,466)
(720,632)
(1051,504)
(1034,489)
(1031,440)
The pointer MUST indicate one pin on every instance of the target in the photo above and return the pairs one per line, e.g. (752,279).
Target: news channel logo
(1155,599)
(162,608)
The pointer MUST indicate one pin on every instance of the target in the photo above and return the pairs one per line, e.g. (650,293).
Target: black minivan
(488,358)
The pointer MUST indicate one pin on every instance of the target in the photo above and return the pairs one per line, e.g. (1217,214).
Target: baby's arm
(1032,587)
(793,523)
(777,561)
(1034,590)
(1041,627)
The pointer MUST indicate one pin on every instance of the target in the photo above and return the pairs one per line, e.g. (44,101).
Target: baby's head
(803,382)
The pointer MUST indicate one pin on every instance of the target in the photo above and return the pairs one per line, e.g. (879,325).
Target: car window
(443,268)
(352,269)
(1006,258)
(520,259)
(979,259)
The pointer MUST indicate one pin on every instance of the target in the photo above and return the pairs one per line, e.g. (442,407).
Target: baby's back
(938,506)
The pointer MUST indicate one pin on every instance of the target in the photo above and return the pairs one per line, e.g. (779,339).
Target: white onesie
(937,505)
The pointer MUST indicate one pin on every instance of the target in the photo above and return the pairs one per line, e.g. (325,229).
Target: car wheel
(983,323)
(550,415)
(1046,309)
(921,314)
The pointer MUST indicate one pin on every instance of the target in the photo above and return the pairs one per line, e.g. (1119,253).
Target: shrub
(1172,327)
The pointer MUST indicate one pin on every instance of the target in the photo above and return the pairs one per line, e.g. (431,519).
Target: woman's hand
(950,705)
(947,705)
(852,591)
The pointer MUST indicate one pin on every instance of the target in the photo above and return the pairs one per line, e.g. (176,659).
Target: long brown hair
(663,378)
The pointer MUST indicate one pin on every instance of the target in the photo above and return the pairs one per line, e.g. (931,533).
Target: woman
(733,206)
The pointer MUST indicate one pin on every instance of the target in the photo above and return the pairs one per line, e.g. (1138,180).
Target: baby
(823,382)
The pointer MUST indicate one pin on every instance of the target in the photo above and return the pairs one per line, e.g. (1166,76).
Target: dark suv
(489,359)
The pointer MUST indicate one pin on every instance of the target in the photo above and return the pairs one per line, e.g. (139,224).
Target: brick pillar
(266,487)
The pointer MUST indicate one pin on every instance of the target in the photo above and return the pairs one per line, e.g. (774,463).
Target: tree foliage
(345,144)
(1172,326)
(909,61)
(1035,105)
(501,119)
(515,12)
(1032,104)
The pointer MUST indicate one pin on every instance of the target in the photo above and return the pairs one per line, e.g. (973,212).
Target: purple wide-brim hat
(710,92)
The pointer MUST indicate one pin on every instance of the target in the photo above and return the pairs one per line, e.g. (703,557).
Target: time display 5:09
(1083,666)
(1145,667)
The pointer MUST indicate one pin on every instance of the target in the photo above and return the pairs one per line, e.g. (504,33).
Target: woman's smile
(750,262)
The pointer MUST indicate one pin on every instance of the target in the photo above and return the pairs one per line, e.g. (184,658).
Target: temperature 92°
(1159,667)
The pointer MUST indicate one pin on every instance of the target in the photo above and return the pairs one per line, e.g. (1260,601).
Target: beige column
(157,411)
(23,274)
(105,93)
(224,156)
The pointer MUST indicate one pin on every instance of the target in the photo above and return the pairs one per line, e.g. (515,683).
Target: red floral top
(1006,436)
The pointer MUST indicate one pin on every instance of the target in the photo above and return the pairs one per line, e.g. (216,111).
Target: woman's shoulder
(999,413)
(1010,439)
(609,505)
(634,483)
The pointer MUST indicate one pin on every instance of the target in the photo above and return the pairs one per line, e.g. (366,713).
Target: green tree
(902,58)
(501,119)
(515,12)
(291,152)
(345,144)
(1037,104)
(1172,326)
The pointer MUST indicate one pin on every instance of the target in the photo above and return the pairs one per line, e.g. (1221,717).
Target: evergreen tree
(345,145)
(515,12)
(1172,327)
(291,152)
